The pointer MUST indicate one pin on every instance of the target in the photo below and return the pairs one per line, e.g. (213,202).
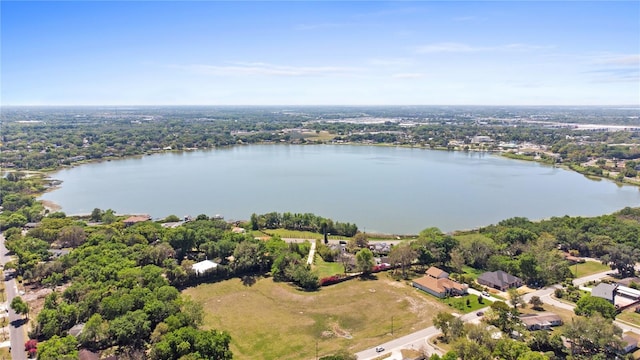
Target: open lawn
(5,354)
(295,234)
(269,320)
(587,268)
(460,303)
(629,316)
(324,269)
(472,271)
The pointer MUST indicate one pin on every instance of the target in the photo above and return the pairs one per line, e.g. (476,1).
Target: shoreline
(50,205)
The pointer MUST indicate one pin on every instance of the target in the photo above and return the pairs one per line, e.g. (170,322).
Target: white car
(379,349)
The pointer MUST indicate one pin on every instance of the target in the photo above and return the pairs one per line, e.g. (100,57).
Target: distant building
(136,219)
(437,283)
(499,280)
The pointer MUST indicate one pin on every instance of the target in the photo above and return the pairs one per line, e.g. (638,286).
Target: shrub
(334,279)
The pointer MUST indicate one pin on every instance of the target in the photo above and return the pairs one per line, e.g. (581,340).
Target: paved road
(16,333)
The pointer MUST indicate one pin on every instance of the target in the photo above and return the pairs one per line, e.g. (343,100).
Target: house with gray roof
(499,280)
(605,291)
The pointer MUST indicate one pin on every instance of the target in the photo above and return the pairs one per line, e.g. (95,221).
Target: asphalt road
(16,327)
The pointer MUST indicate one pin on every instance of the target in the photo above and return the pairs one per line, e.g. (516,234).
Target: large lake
(381,189)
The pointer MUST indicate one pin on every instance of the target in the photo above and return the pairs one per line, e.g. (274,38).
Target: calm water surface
(381,189)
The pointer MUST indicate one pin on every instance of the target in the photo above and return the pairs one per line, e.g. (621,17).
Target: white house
(203,266)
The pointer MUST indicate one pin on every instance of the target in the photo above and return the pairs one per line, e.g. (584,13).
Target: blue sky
(316,53)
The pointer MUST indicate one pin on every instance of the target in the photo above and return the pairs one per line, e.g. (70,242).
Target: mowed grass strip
(269,320)
(588,268)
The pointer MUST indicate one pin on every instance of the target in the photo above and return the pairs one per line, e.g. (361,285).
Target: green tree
(359,241)
(402,255)
(95,332)
(450,326)
(20,306)
(188,341)
(536,303)
(588,305)
(131,329)
(593,336)
(364,261)
(508,349)
(96,215)
(59,348)
(623,258)
(471,350)
(515,298)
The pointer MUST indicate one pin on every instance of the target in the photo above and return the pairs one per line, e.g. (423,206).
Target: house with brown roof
(499,280)
(136,219)
(437,283)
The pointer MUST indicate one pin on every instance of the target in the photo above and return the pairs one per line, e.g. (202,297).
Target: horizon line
(308,105)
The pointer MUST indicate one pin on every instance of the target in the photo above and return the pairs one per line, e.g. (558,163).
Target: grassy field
(588,268)
(270,320)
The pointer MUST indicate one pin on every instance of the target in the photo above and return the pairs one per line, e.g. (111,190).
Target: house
(629,343)
(136,219)
(203,266)
(499,280)
(437,283)
(541,321)
(238,230)
(628,281)
(605,291)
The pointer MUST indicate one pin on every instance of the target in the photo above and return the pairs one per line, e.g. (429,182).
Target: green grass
(269,320)
(460,303)
(325,269)
(472,271)
(295,234)
(629,316)
(588,268)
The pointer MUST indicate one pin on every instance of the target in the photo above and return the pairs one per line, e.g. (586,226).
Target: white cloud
(621,60)
(258,68)
(452,47)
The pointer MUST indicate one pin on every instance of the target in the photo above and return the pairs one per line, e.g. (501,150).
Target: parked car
(379,349)
(479,313)
(484,293)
